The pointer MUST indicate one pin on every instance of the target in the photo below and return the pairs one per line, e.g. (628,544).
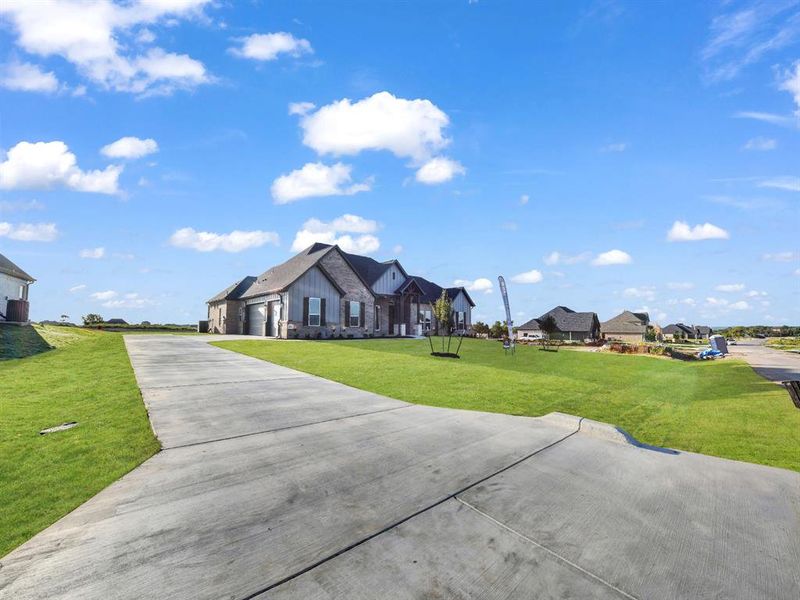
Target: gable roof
(566,320)
(9,268)
(432,291)
(678,328)
(626,322)
(279,277)
(369,269)
(234,290)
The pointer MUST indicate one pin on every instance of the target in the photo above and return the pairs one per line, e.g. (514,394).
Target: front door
(276,317)
(391,318)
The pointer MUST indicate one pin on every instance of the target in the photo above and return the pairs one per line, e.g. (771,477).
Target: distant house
(626,327)
(325,292)
(14,284)
(678,330)
(703,331)
(116,322)
(570,326)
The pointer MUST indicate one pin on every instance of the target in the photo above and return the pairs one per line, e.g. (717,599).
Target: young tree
(441,311)
(92,319)
(498,330)
(548,327)
(64,318)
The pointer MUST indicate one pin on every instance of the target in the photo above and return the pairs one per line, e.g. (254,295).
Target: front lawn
(87,378)
(719,407)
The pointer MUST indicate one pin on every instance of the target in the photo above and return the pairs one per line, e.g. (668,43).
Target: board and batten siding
(314,284)
(386,284)
(460,303)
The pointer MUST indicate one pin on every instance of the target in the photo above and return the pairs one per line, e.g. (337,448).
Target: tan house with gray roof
(626,327)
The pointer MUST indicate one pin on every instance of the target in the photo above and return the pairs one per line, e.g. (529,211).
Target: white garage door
(255,319)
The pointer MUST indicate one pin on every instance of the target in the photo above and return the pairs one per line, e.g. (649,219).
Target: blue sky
(600,155)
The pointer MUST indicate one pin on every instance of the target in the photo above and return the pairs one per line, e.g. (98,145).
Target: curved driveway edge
(274,483)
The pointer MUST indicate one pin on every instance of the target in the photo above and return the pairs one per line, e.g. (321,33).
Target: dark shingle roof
(626,322)
(369,268)
(432,291)
(9,268)
(234,290)
(566,320)
(678,328)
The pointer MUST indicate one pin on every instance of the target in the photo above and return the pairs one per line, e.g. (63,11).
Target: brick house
(626,327)
(570,326)
(324,292)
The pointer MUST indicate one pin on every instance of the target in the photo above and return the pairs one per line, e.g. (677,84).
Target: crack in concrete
(553,553)
(427,508)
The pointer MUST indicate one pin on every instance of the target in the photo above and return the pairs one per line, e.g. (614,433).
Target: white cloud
(130,147)
(612,257)
(646,292)
(755,294)
(616,147)
(29,232)
(781,256)
(788,183)
(407,128)
(94,253)
(716,301)
(686,301)
(797,272)
(131,300)
(439,170)
(730,287)
(478,285)
(680,285)
(524,199)
(771,118)
(397,249)
(45,165)
(740,305)
(77,288)
(314,180)
(315,230)
(267,46)
(791,84)
(745,34)
(556,258)
(760,143)
(106,295)
(532,276)
(25,77)
(301,108)
(235,241)
(682,232)
(95,40)
(7,206)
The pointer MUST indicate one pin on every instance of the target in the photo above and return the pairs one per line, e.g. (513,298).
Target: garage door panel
(255,319)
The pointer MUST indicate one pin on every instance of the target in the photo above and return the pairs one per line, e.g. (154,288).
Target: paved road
(277,484)
(775,365)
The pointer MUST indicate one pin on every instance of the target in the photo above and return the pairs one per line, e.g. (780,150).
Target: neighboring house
(14,284)
(626,327)
(324,292)
(670,332)
(703,331)
(570,326)
(116,322)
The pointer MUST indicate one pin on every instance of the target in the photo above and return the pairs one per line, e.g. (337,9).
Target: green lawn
(87,378)
(720,407)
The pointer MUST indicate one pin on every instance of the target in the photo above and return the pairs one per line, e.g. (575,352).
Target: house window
(22,292)
(377,318)
(355,314)
(314,305)
(425,319)
(461,318)
(393,275)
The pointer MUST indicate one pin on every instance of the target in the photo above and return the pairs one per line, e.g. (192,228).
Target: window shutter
(305,310)
(322,312)
(363,313)
(347,313)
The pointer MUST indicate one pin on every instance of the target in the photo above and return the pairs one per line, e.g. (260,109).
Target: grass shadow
(21,341)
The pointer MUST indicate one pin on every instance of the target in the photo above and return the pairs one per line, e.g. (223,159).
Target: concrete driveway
(775,365)
(277,484)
